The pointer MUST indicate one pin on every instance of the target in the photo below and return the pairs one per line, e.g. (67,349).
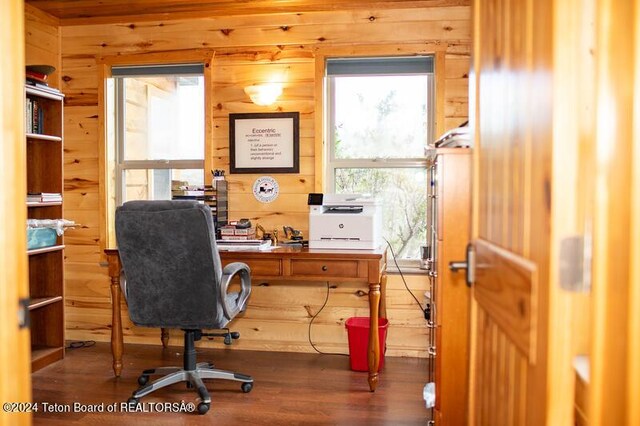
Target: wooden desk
(287,264)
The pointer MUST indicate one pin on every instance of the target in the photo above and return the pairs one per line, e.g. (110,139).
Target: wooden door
(15,383)
(555,92)
(511,310)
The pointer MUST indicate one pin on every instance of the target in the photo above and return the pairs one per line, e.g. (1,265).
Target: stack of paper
(236,245)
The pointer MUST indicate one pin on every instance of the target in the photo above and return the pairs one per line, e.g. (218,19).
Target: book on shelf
(44,87)
(227,230)
(246,232)
(28,114)
(243,244)
(238,237)
(44,197)
(36,77)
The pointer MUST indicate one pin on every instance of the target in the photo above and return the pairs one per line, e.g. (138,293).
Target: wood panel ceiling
(78,12)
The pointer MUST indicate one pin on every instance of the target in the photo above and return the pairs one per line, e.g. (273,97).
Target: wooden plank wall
(248,50)
(42,41)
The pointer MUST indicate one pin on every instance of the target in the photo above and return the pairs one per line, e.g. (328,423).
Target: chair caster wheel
(246,387)
(203,408)
(143,379)
(133,401)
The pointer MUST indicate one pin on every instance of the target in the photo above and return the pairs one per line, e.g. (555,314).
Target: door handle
(24,318)
(469,265)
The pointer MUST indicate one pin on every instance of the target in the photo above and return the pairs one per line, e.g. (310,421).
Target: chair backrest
(171,264)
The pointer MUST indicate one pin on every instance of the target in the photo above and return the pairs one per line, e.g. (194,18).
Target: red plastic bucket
(358,333)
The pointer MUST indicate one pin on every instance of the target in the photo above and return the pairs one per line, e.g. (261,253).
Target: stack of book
(44,197)
(36,76)
(230,232)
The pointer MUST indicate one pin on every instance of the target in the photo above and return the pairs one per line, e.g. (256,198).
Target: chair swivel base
(193,378)
(192,373)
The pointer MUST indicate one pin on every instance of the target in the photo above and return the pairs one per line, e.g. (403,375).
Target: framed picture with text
(264,142)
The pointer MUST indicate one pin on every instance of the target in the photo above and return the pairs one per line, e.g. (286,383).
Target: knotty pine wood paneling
(248,49)
(42,41)
(119,11)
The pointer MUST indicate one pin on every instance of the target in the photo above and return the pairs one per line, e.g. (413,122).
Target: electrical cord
(81,344)
(402,276)
(326,299)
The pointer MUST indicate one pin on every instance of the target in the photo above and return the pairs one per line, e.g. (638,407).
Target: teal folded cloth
(41,237)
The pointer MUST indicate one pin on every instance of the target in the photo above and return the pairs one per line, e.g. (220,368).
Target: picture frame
(264,142)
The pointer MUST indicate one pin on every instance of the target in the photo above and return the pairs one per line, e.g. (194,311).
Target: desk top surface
(299,252)
(296,252)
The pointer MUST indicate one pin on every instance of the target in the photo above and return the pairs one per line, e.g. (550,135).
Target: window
(380,116)
(158,129)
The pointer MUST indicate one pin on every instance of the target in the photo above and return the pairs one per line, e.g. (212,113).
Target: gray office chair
(174,279)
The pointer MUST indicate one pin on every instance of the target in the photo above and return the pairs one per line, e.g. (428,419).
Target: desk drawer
(260,267)
(330,268)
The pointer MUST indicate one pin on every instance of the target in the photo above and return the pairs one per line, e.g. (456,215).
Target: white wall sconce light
(264,94)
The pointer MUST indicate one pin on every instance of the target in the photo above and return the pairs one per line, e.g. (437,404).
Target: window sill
(406,270)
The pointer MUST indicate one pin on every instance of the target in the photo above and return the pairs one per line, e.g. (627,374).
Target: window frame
(106,157)
(331,163)
(121,164)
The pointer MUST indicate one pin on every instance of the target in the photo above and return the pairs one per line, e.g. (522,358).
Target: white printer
(345,221)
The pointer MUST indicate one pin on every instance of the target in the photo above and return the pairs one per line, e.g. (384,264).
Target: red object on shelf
(358,333)
(36,75)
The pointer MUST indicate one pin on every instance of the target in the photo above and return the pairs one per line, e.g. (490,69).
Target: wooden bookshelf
(46,271)
(448,219)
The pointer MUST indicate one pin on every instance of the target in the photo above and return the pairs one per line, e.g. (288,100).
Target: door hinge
(469,264)
(23,313)
(574,267)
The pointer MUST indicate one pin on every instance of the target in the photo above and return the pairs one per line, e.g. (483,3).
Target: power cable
(402,276)
(326,299)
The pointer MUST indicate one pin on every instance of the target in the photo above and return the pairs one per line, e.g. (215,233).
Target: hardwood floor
(289,389)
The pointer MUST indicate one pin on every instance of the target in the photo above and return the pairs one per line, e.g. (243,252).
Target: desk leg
(374,344)
(116,325)
(383,296)
(164,337)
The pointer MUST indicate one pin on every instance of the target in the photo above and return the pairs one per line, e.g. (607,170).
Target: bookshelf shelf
(44,113)
(40,302)
(45,250)
(41,204)
(51,94)
(44,137)
(41,356)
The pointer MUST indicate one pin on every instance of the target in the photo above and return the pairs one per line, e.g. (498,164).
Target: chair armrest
(229,271)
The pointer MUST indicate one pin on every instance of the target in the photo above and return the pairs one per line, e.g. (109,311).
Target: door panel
(505,289)
(511,232)
(502,372)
